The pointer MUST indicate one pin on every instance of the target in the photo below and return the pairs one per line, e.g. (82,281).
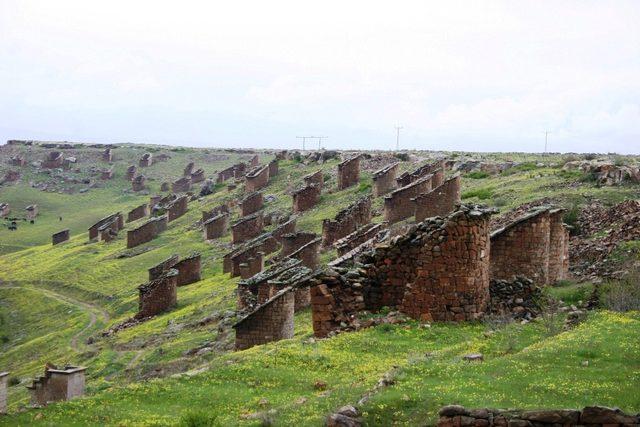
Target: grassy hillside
(54,298)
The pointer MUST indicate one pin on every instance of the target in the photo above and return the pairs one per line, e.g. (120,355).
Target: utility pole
(320,138)
(304,141)
(546,140)
(398,137)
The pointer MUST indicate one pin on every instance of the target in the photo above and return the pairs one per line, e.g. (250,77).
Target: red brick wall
(384,180)
(247,228)
(251,203)
(273,168)
(346,221)
(216,226)
(522,249)
(177,208)
(158,295)
(294,241)
(272,321)
(399,204)
(349,172)
(316,178)
(181,185)
(440,201)
(60,236)
(188,270)
(306,198)
(258,178)
(137,213)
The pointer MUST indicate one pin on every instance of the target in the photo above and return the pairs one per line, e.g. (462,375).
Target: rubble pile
(501,221)
(605,172)
(519,298)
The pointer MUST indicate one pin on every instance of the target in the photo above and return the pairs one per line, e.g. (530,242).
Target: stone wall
(358,237)
(441,201)
(106,174)
(522,248)
(177,208)
(4,380)
(188,169)
(558,247)
(235,171)
(272,321)
(437,271)
(159,269)
(346,221)
(223,208)
(408,177)
(216,226)
(316,178)
(254,161)
(17,160)
(592,416)
(31,211)
(138,212)
(60,236)
(57,385)
(306,198)
(399,204)
(53,160)
(265,243)
(257,178)
(384,180)
(252,266)
(146,160)
(131,172)
(189,270)
(260,287)
(107,155)
(158,295)
(273,168)
(287,227)
(349,172)
(138,183)
(116,220)
(181,185)
(309,253)
(197,176)
(252,203)
(147,231)
(293,241)
(246,228)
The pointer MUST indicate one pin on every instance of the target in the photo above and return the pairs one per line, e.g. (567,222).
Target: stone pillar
(251,203)
(522,249)
(4,379)
(158,295)
(558,246)
(272,321)
(138,183)
(349,173)
(384,180)
(306,198)
(273,168)
(216,227)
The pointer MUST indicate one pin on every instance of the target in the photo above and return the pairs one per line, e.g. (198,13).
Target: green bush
(480,193)
(197,419)
(571,219)
(364,187)
(477,175)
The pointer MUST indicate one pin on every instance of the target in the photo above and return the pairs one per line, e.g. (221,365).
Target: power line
(320,138)
(398,137)
(546,140)
(304,141)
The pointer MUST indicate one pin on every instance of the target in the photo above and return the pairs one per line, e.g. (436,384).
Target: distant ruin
(346,221)
(17,160)
(53,160)
(252,203)
(147,231)
(57,385)
(107,155)
(293,241)
(384,180)
(349,172)
(31,212)
(189,269)
(246,228)
(440,201)
(106,174)
(358,237)
(197,176)
(429,169)
(113,222)
(138,183)
(177,208)
(5,210)
(59,237)
(216,227)
(158,295)
(138,212)
(146,160)
(315,178)
(272,321)
(131,172)
(181,185)
(257,178)
(306,198)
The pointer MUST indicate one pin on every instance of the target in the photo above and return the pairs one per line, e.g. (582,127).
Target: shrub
(477,175)
(622,295)
(500,202)
(197,419)
(14,381)
(364,187)
(480,193)
(571,219)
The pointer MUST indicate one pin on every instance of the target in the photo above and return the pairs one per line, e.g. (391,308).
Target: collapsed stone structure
(189,269)
(246,228)
(59,237)
(306,198)
(32,212)
(252,203)
(346,221)
(181,185)
(147,231)
(523,248)
(291,242)
(400,204)
(53,160)
(146,160)
(216,226)
(349,172)
(438,202)
(316,178)
(57,385)
(107,155)
(438,270)
(5,210)
(358,237)
(605,172)
(384,180)
(106,174)
(592,416)
(138,183)
(165,186)
(197,176)
(4,379)
(17,160)
(108,225)
(429,169)
(158,295)
(138,212)
(131,172)
(273,168)
(257,178)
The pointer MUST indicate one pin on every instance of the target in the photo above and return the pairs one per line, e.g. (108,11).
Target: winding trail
(95,312)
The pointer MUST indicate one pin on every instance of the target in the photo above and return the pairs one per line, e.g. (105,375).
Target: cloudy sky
(472,75)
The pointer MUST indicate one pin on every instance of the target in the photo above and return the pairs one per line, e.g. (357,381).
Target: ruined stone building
(69,162)
(306,198)
(131,172)
(107,155)
(5,210)
(146,160)
(197,176)
(286,227)
(349,172)
(273,168)
(246,228)
(440,201)
(291,242)
(400,204)
(251,203)
(252,265)
(57,385)
(272,321)
(216,227)
(435,168)
(264,243)
(31,211)
(177,208)
(181,185)
(147,231)
(53,160)
(158,295)
(316,178)
(4,380)
(189,269)
(106,174)
(138,183)
(524,248)
(384,180)
(358,237)
(138,212)
(113,222)
(59,237)
(257,178)
(346,221)
(188,169)
(223,208)
(309,253)
(17,160)
(236,170)
(438,271)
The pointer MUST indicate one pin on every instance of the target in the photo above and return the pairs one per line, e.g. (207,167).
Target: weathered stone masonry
(216,227)
(316,178)
(273,168)
(424,170)
(346,221)
(138,183)
(4,379)
(147,231)
(146,160)
(57,385)
(558,246)
(115,220)
(522,248)
(181,185)
(177,208)
(251,203)
(138,212)
(293,241)
(358,237)
(246,228)
(60,236)
(399,204)
(188,269)
(306,198)
(158,295)
(349,173)
(441,201)
(384,180)
(257,178)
